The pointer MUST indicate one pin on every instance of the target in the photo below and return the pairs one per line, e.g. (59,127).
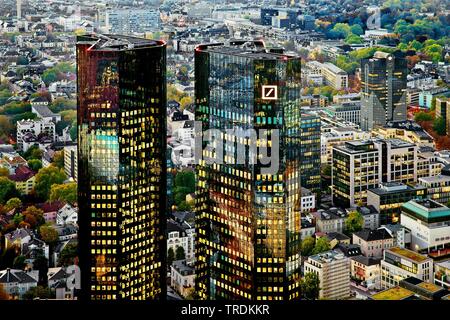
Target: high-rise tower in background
(383,89)
(121,165)
(19,9)
(247,222)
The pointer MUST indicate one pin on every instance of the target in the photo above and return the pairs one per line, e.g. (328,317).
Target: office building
(122,162)
(333,270)
(356,168)
(429,223)
(443,110)
(332,75)
(367,270)
(331,220)
(383,89)
(337,136)
(247,217)
(399,264)
(310,145)
(389,197)
(129,21)
(438,187)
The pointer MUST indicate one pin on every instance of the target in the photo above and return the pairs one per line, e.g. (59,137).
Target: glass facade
(247,221)
(310,152)
(383,89)
(122,165)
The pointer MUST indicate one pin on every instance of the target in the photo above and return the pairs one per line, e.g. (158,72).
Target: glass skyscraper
(122,167)
(310,152)
(248,221)
(383,89)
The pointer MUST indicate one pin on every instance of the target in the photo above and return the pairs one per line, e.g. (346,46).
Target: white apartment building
(181,237)
(333,270)
(34,128)
(332,75)
(399,264)
(429,223)
(71,162)
(307,200)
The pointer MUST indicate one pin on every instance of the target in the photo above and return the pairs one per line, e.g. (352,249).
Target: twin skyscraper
(247,217)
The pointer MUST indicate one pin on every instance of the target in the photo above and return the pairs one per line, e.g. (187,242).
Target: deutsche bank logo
(269,92)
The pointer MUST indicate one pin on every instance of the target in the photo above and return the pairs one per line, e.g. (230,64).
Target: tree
(6,127)
(17,219)
(310,286)
(356,29)
(48,234)
(354,222)
(45,178)
(307,246)
(7,190)
(423,116)
(64,192)
(7,257)
(34,216)
(19,262)
(13,203)
(68,255)
(58,159)
(49,76)
(40,263)
(40,292)
(4,172)
(185,101)
(35,164)
(180,254)
(3,294)
(33,153)
(170,256)
(439,126)
(22,60)
(353,39)
(322,245)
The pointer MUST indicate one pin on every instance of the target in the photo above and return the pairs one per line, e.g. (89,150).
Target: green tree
(353,39)
(357,29)
(34,216)
(354,222)
(64,192)
(13,203)
(19,262)
(45,178)
(39,292)
(17,219)
(439,126)
(33,153)
(7,190)
(307,246)
(4,172)
(423,116)
(22,60)
(48,234)
(322,245)
(58,159)
(35,164)
(68,255)
(170,256)
(49,76)
(179,253)
(310,286)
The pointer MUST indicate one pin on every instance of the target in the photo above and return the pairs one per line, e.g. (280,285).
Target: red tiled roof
(22,173)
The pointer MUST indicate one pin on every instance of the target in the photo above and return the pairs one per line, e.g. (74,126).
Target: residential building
(333,270)
(371,217)
(24,178)
(71,162)
(308,228)
(331,220)
(373,242)
(383,89)
(17,282)
(243,209)
(42,111)
(406,130)
(429,223)
(181,235)
(333,75)
(31,132)
(307,200)
(67,215)
(442,274)
(389,197)
(399,264)
(12,162)
(401,235)
(182,278)
(122,159)
(367,270)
